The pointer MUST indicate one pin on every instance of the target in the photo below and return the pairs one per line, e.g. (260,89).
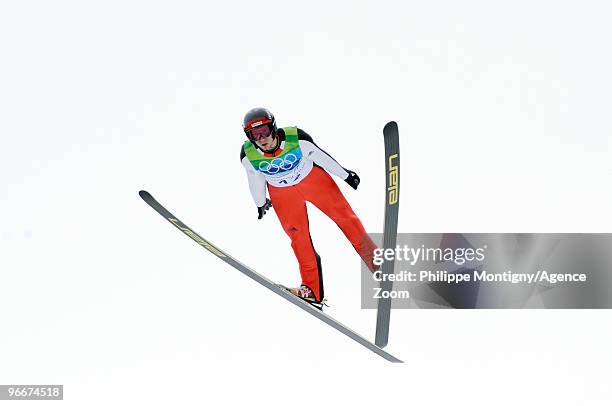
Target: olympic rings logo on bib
(276,165)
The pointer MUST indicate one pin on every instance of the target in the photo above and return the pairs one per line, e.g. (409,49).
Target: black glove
(352,179)
(261,211)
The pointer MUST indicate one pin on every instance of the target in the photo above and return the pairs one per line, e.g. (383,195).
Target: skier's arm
(320,157)
(257,182)
(324,160)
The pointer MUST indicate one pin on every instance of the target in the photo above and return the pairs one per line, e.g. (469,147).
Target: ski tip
(144,194)
(390,125)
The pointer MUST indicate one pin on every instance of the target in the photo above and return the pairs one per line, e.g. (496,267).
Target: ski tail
(392,165)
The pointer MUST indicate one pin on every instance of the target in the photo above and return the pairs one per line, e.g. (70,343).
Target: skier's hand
(261,211)
(352,179)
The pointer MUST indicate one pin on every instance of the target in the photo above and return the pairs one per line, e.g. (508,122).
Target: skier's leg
(321,190)
(290,208)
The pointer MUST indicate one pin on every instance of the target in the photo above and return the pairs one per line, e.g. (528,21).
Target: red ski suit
(318,188)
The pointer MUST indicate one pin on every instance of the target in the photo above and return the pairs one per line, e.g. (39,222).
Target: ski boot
(307,295)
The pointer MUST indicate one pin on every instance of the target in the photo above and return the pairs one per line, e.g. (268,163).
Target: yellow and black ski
(262,280)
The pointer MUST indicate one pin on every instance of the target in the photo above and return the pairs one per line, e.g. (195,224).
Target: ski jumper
(294,175)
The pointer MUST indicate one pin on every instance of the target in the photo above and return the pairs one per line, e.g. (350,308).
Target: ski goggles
(260,132)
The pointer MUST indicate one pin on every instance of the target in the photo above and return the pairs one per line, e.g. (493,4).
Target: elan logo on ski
(393,180)
(195,237)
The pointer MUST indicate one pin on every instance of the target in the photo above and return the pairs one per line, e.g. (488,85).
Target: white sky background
(503,110)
